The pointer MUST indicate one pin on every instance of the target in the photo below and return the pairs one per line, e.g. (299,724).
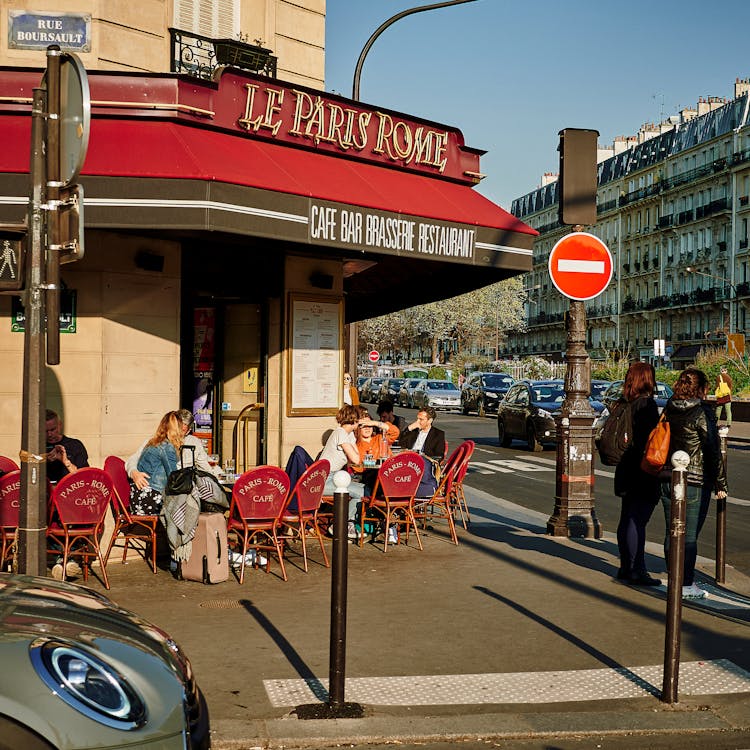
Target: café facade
(232,229)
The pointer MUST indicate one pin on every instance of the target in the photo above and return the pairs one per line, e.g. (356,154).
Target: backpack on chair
(617,433)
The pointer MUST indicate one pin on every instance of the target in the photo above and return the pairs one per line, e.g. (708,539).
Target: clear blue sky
(511,74)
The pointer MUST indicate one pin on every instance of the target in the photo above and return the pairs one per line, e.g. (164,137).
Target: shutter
(217,19)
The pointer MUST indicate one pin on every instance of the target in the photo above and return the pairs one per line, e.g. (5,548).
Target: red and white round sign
(374,356)
(580,265)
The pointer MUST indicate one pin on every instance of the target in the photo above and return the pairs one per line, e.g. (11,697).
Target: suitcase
(209,560)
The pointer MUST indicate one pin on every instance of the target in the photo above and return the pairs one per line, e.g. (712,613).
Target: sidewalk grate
(221,604)
(695,678)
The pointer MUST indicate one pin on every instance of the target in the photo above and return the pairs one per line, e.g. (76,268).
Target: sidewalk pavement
(512,634)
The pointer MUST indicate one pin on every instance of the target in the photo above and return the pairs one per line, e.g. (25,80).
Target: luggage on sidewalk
(209,561)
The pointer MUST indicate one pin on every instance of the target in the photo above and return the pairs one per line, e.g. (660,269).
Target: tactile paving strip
(695,678)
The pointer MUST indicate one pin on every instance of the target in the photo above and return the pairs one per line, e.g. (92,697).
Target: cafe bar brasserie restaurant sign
(39,29)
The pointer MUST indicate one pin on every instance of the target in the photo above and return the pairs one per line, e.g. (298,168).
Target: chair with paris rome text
(391,503)
(300,517)
(78,507)
(258,499)
(127,524)
(10,505)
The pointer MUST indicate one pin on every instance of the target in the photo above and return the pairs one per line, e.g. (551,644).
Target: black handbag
(180,481)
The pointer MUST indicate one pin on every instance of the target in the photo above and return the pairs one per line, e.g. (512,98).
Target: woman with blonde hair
(158,460)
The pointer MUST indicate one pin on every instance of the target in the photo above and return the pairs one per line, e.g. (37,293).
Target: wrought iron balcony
(198,56)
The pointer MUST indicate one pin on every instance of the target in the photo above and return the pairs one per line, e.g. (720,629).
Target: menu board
(314,347)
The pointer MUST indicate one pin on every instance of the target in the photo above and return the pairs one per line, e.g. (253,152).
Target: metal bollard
(675,564)
(721,516)
(339,563)
(336,708)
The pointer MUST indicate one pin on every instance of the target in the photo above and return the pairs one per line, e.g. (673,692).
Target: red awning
(157,149)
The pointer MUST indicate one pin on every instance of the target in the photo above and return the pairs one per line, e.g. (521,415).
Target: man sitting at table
(65,455)
(385,413)
(422,436)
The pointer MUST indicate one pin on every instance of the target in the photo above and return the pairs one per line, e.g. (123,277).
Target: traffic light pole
(32,529)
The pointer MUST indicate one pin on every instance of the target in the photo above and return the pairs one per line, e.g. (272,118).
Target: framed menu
(314,355)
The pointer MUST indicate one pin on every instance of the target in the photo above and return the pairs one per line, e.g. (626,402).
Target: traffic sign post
(59,138)
(374,356)
(580,266)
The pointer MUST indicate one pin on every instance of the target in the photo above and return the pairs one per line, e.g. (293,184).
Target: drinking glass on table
(229,468)
(213,459)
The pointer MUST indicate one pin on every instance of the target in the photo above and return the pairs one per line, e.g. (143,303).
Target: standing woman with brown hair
(693,429)
(638,490)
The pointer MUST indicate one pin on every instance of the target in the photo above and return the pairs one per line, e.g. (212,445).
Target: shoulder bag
(657,447)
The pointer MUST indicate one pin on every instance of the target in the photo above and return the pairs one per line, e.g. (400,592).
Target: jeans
(697,501)
(727,411)
(356,492)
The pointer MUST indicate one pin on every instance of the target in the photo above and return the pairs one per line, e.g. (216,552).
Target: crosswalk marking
(696,678)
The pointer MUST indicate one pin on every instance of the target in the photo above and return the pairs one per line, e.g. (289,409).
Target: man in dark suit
(422,436)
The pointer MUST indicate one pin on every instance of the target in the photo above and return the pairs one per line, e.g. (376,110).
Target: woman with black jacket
(693,429)
(639,491)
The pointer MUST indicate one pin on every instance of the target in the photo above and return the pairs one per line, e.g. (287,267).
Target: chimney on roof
(741,87)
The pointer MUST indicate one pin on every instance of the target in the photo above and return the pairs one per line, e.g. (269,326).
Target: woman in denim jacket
(158,459)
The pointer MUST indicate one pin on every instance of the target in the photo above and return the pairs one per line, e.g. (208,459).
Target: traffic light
(12,256)
(578,176)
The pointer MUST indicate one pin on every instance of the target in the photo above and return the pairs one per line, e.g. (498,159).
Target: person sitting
(140,478)
(341,449)
(423,437)
(65,455)
(373,445)
(157,461)
(385,413)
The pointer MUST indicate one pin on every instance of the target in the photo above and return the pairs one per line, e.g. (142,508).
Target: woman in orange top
(374,441)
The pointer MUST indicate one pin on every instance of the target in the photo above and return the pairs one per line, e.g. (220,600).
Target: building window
(218,19)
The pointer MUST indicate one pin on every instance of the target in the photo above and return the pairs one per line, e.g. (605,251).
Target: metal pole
(675,563)
(339,563)
(32,528)
(53,199)
(721,516)
(383,26)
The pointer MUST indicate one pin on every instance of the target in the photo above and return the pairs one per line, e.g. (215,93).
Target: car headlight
(544,414)
(88,684)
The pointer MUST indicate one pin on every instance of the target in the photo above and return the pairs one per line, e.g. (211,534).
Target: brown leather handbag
(657,447)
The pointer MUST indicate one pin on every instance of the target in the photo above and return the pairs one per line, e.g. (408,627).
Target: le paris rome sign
(580,266)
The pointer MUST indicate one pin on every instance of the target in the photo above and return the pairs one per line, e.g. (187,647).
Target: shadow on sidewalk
(575,640)
(286,648)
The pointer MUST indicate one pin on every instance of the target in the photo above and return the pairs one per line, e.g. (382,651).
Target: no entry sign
(580,265)
(374,356)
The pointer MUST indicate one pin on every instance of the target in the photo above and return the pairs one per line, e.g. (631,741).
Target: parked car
(598,387)
(482,391)
(406,390)
(439,394)
(79,671)
(389,389)
(368,393)
(528,412)
(614,392)
(596,403)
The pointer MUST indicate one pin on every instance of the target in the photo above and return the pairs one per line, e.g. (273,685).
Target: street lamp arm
(383,26)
